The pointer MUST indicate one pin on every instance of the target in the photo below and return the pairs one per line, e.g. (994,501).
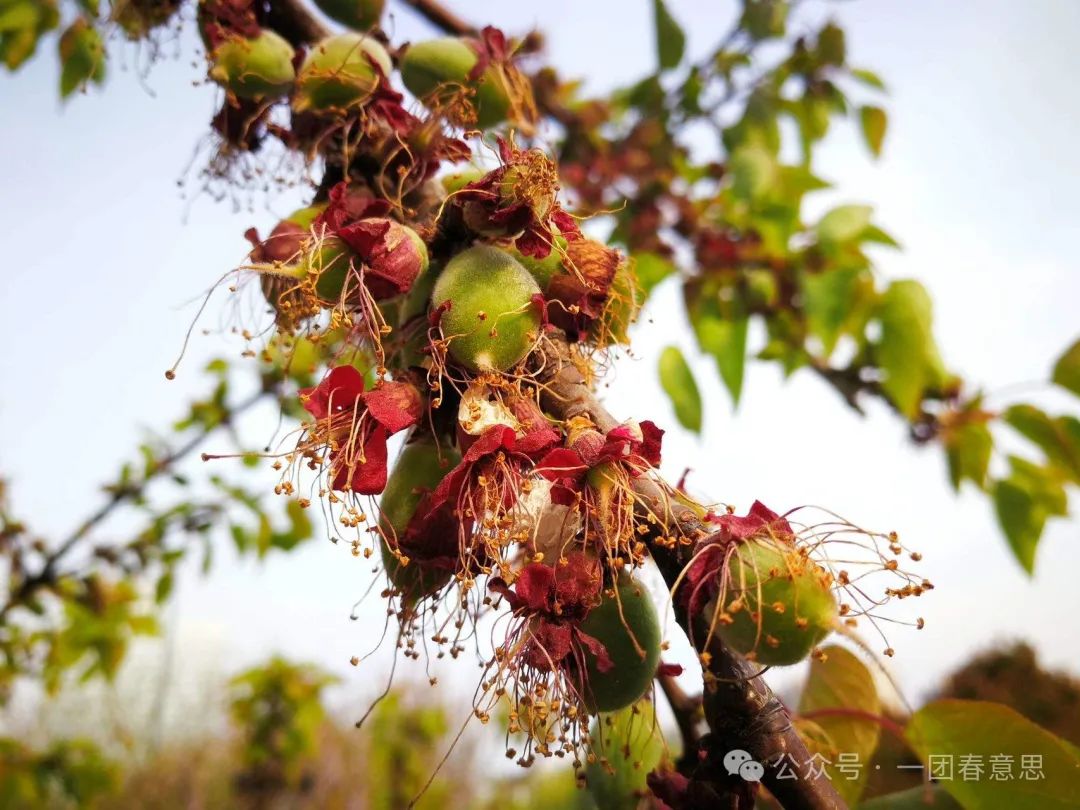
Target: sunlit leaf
(843,224)
(968,448)
(678,383)
(842,682)
(725,340)
(965,735)
(1058,438)
(907,352)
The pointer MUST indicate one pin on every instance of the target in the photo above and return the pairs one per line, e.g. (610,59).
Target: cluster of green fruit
(341,72)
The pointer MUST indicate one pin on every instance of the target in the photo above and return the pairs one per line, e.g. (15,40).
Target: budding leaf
(868,77)
(907,352)
(842,681)
(874,122)
(670,39)
(679,384)
(959,731)
(1067,369)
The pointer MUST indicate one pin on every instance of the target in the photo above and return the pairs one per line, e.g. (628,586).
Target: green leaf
(1067,369)
(1058,438)
(763,19)
(842,681)
(82,54)
(831,45)
(670,39)
(907,352)
(868,77)
(754,172)
(678,382)
(831,301)
(651,269)
(968,448)
(963,733)
(843,224)
(1023,502)
(725,340)
(874,122)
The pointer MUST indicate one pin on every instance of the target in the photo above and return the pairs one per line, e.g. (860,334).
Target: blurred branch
(441,17)
(120,495)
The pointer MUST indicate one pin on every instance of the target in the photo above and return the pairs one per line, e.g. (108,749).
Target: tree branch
(441,17)
(741,709)
(292,20)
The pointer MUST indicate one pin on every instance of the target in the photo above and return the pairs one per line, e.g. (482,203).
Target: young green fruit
(418,470)
(629,746)
(429,68)
(632,641)
(778,604)
(491,322)
(543,270)
(360,15)
(340,72)
(260,67)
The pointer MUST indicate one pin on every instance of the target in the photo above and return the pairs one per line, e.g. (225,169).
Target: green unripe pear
(629,746)
(632,641)
(430,66)
(544,269)
(260,67)
(419,469)
(340,73)
(491,322)
(778,603)
(456,181)
(305,216)
(360,15)
(330,260)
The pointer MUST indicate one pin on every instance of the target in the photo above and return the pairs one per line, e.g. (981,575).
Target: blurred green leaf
(874,122)
(868,77)
(968,448)
(842,681)
(844,223)
(670,39)
(678,382)
(763,19)
(907,352)
(832,302)
(831,45)
(651,269)
(1067,369)
(974,732)
(1058,438)
(725,340)
(754,171)
(1023,502)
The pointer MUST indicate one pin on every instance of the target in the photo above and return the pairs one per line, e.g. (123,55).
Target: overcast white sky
(978,183)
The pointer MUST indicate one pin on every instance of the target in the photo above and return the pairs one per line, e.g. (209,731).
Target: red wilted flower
(220,19)
(355,424)
(518,200)
(555,600)
(702,580)
(583,291)
(392,255)
(635,446)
